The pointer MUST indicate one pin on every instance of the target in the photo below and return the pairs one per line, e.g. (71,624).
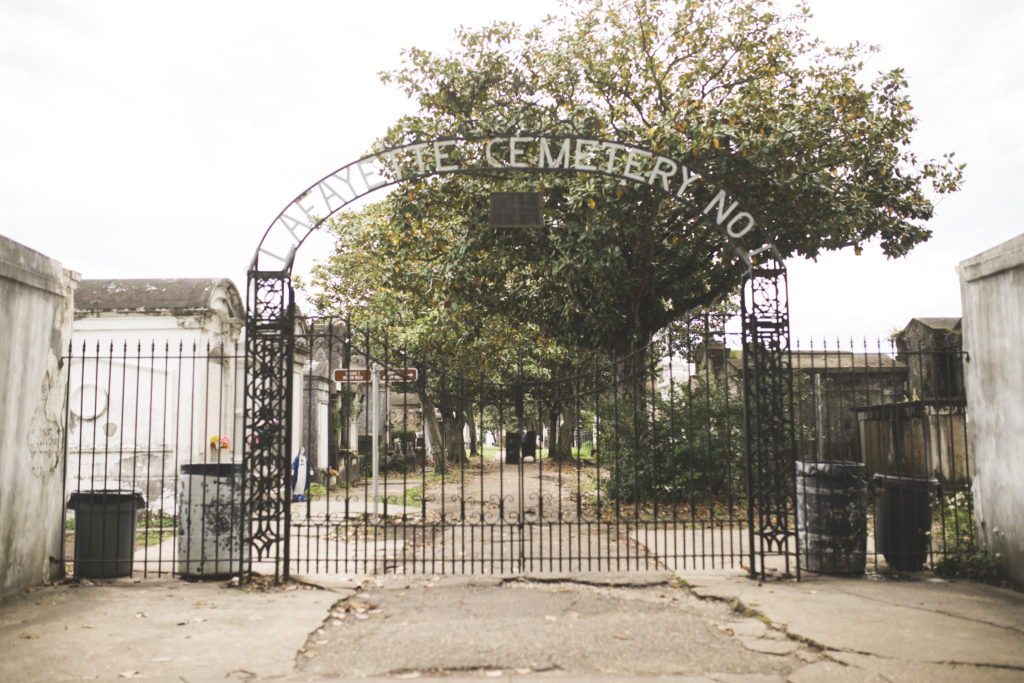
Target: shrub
(684,445)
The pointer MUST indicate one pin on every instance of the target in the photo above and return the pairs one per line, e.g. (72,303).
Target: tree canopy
(729,87)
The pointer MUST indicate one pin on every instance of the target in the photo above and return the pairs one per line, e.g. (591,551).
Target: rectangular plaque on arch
(517,210)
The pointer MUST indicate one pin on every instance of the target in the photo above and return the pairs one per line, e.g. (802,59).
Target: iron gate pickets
(768,409)
(269,349)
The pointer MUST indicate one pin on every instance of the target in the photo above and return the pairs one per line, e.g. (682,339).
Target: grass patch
(148,537)
(412,496)
(490,452)
(318,489)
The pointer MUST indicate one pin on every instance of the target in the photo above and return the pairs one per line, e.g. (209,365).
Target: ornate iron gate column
(269,353)
(768,411)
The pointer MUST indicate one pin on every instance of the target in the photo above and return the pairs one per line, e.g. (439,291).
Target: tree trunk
(453,421)
(563,424)
(473,441)
(432,432)
(570,420)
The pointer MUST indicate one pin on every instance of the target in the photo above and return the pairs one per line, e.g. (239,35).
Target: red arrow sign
(351,375)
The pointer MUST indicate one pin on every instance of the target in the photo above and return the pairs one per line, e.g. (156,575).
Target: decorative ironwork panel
(268,394)
(768,387)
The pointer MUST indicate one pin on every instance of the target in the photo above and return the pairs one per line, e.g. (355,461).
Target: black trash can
(530,446)
(831,516)
(104,531)
(903,519)
(513,441)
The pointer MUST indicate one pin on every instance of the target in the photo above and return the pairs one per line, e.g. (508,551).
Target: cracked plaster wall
(992,290)
(36,310)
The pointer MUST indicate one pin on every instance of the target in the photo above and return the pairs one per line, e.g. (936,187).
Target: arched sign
(270,317)
(630,163)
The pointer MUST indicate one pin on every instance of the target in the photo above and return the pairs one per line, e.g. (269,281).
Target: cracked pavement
(648,626)
(596,626)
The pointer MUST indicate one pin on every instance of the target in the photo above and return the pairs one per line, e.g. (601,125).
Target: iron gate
(631,462)
(765,337)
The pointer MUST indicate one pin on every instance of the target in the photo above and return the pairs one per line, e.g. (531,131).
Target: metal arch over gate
(270,328)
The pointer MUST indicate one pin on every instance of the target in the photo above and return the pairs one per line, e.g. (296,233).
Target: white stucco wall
(147,392)
(35,325)
(992,290)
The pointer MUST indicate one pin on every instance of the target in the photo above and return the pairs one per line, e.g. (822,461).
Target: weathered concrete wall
(36,312)
(992,289)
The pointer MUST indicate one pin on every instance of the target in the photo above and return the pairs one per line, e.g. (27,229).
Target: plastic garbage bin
(530,446)
(903,519)
(513,442)
(831,514)
(209,519)
(104,531)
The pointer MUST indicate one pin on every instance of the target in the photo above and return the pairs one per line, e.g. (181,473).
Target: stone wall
(992,290)
(36,307)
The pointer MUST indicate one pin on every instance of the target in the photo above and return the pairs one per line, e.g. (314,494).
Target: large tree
(407,301)
(729,87)
(726,86)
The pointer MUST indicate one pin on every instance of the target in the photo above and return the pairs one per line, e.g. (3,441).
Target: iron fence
(889,421)
(139,415)
(494,477)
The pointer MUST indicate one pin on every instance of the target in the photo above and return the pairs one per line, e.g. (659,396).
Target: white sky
(143,139)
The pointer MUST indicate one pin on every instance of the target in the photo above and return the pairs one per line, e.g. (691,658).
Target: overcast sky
(144,139)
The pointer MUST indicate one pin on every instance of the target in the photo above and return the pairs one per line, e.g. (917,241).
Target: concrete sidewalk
(155,629)
(717,627)
(876,628)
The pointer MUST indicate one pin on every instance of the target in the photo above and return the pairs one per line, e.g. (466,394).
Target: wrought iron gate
(270,431)
(634,462)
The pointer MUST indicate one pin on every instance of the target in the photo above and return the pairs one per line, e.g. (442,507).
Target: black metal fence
(143,421)
(619,463)
(886,424)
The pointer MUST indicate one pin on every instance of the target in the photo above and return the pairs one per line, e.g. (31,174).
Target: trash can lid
(896,481)
(106,497)
(212,469)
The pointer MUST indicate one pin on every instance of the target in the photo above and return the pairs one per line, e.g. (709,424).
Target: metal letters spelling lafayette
(630,163)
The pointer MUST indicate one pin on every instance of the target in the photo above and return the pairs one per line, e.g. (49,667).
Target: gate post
(768,414)
(269,354)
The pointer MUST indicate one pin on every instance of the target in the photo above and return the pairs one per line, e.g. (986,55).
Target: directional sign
(351,375)
(399,375)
